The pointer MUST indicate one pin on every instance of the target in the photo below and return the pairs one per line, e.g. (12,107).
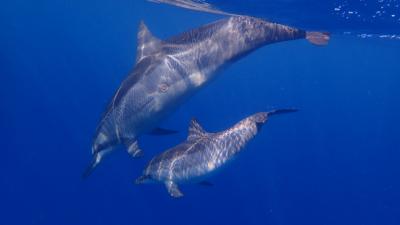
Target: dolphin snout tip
(141,179)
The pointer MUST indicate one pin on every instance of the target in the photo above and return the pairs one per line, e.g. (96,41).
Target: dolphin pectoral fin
(173,189)
(133,148)
(162,131)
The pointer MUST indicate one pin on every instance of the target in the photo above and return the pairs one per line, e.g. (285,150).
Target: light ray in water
(357,17)
(197,5)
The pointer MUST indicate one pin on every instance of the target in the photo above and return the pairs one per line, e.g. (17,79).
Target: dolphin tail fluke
(318,38)
(93,164)
(281,111)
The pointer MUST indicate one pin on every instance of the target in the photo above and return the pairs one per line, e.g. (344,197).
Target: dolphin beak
(142,179)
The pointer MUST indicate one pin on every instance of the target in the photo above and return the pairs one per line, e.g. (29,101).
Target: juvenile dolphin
(168,72)
(202,153)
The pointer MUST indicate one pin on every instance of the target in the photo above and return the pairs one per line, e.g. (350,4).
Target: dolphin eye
(163,87)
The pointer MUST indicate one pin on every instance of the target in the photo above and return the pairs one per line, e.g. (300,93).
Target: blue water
(334,162)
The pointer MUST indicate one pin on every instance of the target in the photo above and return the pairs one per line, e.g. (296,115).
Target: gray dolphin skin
(168,72)
(202,153)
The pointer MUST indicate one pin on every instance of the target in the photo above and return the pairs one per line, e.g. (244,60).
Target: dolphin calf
(202,153)
(167,72)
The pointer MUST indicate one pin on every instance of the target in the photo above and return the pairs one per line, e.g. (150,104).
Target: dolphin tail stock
(93,164)
(281,111)
(318,38)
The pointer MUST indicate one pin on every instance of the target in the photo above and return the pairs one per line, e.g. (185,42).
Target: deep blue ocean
(335,162)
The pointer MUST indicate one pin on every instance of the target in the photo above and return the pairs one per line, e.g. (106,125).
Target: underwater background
(334,162)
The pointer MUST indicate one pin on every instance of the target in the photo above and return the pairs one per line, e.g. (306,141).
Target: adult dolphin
(168,72)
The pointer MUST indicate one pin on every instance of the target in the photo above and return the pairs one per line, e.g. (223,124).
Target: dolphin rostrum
(202,153)
(168,72)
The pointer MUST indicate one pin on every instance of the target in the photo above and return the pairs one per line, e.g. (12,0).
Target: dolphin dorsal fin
(195,130)
(147,44)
